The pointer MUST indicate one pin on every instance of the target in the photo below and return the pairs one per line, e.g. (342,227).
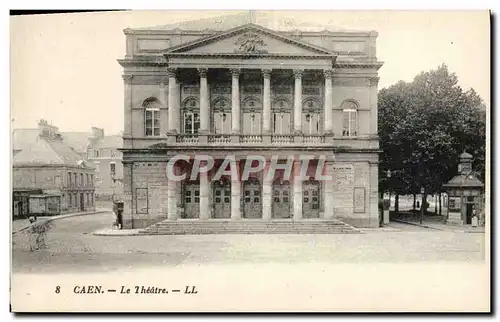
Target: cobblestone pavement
(71,248)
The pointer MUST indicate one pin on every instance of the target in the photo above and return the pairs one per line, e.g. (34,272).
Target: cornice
(248,55)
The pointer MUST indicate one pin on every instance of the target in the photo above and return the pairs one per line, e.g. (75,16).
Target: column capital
(203,72)
(171,72)
(328,73)
(266,72)
(235,72)
(127,78)
(297,73)
(162,81)
(374,81)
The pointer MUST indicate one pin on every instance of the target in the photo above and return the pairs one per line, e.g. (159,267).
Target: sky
(64,68)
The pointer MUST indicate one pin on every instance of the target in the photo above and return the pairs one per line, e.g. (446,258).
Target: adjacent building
(250,84)
(49,177)
(103,153)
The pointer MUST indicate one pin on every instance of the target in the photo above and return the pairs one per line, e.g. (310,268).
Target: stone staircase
(248,226)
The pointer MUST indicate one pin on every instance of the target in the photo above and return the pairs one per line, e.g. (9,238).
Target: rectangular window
(112,169)
(81,180)
(75,181)
(191,122)
(141,200)
(96,153)
(222,123)
(113,153)
(281,123)
(251,123)
(152,122)
(70,183)
(310,123)
(350,123)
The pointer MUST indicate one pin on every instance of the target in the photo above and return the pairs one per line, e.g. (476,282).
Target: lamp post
(422,206)
(385,212)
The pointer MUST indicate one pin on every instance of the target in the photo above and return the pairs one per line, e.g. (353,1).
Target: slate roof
(77,140)
(465,180)
(22,138)
(109,141)
(47,152)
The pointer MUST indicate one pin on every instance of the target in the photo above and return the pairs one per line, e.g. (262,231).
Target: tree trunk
(435,205)
(396,204)
(440,204)
(414,201)
(424,203)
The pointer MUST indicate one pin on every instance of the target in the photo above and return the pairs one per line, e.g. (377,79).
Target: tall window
(350,115)
(191,116)
(252,116)
(70,182)
(75,181)
(151,116)
(222,116)
(112,169)
(96,153)
(81,179)
(281,117)
(311,116)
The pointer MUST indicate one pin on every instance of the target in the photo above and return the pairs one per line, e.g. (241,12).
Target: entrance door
(310,199)
(470,207)
(281,199)
(191,199)
(82,202)
(252,203)
(222,199)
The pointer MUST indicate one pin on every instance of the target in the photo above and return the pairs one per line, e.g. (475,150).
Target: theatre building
(242,85)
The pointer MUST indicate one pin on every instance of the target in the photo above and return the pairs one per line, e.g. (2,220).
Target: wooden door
(191,199)
(310,199)
(252,201)
(281,200)
(222,199)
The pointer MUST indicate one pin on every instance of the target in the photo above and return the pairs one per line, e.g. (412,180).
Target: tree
(423,127)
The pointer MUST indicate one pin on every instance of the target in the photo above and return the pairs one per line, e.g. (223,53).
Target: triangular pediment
(249,39)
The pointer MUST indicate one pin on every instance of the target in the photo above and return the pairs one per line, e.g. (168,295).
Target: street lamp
(422,206)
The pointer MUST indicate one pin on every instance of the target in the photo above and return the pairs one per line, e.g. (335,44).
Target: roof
(465,180)
(465,155)
(271,19)
(21,138)
(109,141)
(47,152)
(77,140)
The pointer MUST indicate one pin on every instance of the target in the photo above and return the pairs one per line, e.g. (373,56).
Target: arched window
(191,116)
(311,111)
(151,116)
(281,121)
(350,114)
(252,109)
(222,115)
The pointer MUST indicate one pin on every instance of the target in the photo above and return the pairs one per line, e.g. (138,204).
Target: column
(127,124)
(172,196)
(373,105)
(266,112)
(163,108)
(328,114)
(236,196)
(173,103)
(298,100)
(235,100)
(267,194)
(328,197)
(204,101)
(297,191)
(204,194)
(374,197)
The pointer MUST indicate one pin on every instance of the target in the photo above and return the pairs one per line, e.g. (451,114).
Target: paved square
(71,248)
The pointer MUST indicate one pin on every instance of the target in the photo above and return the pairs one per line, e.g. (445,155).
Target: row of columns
(267,196)
(174,95)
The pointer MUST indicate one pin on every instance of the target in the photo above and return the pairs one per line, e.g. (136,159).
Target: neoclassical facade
(245,89)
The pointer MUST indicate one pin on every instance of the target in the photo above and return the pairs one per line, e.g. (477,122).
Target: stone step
(248,227)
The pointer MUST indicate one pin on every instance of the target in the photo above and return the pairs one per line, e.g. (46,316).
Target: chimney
(97,133)
(48,131)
